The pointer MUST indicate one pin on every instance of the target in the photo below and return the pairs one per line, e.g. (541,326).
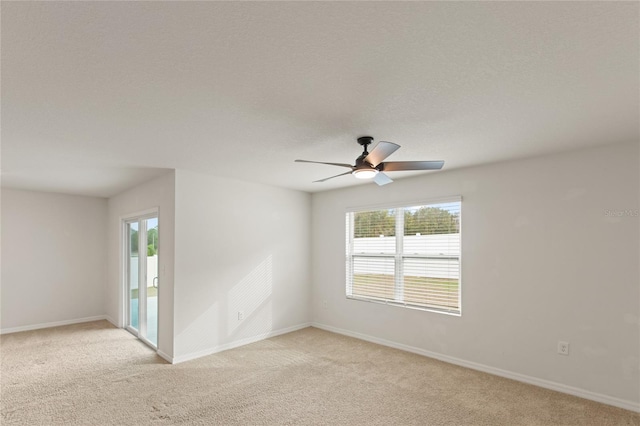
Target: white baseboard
(234,344)
(112,321)
(164,356)
(52,324)
(547,384)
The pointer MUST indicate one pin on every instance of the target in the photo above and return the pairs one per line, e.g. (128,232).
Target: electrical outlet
(240,315)
(324,304)
(563,348)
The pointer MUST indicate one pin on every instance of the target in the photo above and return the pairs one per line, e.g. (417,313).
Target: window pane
(373,277)
(152,280)
(133,272)
(443,218)
(432,282)
(374,232)
(432,230)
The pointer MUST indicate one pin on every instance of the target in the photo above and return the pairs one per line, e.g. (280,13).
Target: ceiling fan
(371,165)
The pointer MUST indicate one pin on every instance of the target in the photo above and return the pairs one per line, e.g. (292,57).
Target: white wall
(541,262)
(53,258)
(239,247)
(157,193)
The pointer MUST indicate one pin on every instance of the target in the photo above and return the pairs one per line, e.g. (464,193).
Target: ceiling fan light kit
(365,173)
(371,165)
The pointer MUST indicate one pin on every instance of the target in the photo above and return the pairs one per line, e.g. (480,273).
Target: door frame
(124,270)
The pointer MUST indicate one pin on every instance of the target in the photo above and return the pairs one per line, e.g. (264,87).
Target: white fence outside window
(439,255)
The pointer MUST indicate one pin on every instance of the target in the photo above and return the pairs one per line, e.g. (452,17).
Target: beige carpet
(95,374)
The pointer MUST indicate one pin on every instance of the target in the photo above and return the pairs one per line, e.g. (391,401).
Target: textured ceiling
(98,96)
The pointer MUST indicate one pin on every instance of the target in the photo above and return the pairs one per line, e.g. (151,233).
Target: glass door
(151,226)
(133,273)
(142,278)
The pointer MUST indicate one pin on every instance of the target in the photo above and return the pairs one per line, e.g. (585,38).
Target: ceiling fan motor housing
(361,164)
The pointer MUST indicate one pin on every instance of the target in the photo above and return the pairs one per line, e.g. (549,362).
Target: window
(406,256)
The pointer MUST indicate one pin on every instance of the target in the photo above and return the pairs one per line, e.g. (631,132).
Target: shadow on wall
(249,310)
(216,323)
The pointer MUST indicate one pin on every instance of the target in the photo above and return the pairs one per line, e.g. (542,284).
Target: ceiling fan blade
(394,166)
(330,164)
(382,179)
(341,174)
(380,152)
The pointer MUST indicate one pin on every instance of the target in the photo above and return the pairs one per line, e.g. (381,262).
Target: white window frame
(398,256)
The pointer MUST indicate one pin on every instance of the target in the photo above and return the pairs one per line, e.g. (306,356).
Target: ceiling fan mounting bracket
(365,140)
